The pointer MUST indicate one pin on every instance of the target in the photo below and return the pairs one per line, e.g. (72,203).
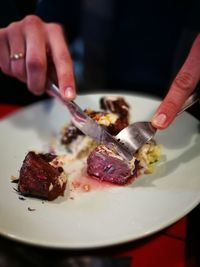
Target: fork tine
(136,134)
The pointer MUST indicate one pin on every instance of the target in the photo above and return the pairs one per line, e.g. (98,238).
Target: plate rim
(109,243)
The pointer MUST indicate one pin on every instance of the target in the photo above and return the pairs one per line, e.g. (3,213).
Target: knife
(89,126)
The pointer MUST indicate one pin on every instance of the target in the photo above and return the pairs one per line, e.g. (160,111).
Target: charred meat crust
(38,178)
(116,105)
(70,133)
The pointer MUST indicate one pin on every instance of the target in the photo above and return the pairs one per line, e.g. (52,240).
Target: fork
(137,134)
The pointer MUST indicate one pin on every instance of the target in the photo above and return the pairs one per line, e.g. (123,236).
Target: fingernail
(69,93)
(159,120)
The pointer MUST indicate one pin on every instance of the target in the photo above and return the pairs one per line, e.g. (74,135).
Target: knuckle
(184,81)
(12,26)
(63,79)
(54,27)
(171,107)
(32,20)
(2,31)
(64,70)
(64,61)
(35,64)
(2,35)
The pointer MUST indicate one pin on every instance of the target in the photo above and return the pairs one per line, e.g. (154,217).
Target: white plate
(106,215)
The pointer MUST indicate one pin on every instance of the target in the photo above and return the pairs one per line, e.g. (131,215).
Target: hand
(26,47)
(180,89)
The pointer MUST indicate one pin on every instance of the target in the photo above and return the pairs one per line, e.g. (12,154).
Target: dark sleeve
(66,12)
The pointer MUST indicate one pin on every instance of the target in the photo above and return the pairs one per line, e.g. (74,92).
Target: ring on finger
(17,56)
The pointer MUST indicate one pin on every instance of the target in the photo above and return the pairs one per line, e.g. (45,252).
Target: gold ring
(17,56)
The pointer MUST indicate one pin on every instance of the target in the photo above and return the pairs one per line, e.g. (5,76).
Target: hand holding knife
(89,126)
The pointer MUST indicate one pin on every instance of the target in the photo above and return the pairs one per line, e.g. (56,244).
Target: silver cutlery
(138,133)
(89,126)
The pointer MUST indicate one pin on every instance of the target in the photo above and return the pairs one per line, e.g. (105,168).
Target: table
(176,246)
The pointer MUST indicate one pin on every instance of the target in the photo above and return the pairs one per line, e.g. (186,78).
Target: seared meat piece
(115,105)
(69,134)
(47,156)
(112,122)
(116,127)
(40,177)
(118,106)
(106,165)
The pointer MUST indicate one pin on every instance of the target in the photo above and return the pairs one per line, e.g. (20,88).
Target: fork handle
(193,98)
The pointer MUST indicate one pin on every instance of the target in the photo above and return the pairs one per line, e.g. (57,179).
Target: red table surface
(165,248)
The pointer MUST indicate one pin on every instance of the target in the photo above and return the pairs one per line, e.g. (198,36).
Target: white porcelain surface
(105,216)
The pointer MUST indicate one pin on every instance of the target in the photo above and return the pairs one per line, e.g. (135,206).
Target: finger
(4,52)
(36,62)
(17,47)
(182,86)
(62,61)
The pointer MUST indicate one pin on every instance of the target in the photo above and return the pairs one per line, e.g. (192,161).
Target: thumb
(180,89)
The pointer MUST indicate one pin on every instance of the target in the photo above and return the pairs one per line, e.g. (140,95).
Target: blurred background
(116,46)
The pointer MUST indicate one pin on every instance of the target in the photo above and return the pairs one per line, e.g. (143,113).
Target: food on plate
(102,162)
(113,118)
(41,177)
(116,105)
(44,175)
(107,165)
(147,156)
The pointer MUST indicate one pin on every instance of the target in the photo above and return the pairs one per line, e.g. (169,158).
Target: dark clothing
(128,45)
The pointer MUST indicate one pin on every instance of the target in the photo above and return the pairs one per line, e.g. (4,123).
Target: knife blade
(89,126)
